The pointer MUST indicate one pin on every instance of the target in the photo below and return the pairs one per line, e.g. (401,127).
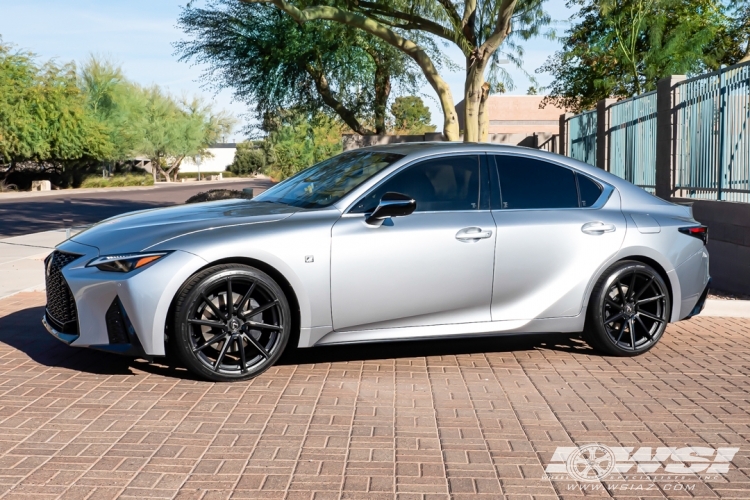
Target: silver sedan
(411,241)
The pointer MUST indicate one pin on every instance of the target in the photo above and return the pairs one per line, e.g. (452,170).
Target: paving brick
(458,419)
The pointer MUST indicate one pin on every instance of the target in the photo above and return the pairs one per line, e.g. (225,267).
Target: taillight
(700,232)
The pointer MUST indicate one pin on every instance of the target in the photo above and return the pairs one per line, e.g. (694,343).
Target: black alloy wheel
(629,310)
(232,322)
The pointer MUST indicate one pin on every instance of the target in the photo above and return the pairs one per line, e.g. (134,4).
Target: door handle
(597,227)
(472,234)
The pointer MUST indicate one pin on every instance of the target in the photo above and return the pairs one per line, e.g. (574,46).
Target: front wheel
(629,310)
(232,322)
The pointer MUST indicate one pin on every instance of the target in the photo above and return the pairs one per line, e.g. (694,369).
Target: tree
(477,28)
(114,102)
(173,130)
(621,48)
(320,66)
(44,121)
(411,116)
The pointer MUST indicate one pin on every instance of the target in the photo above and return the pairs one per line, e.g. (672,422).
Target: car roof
(409,148)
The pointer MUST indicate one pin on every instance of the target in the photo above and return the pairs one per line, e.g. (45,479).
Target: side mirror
(391,205)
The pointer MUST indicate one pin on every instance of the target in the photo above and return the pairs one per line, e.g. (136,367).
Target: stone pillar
(666,134)
(602,133)
(563,135)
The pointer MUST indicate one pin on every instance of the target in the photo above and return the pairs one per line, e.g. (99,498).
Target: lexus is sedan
(387,243)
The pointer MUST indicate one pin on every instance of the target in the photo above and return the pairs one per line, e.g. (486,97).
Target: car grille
(61,307)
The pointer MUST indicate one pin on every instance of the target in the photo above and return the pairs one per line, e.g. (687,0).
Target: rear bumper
(701,302)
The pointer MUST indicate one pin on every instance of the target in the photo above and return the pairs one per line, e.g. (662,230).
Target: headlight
(124,263)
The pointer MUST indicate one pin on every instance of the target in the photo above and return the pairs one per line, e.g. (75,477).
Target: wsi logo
(594,462)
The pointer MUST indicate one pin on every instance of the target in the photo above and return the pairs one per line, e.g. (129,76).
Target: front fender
(298,248)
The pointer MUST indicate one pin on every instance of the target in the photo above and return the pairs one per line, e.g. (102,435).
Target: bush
(118,181)
(248,160)
(218,194)
(194,175)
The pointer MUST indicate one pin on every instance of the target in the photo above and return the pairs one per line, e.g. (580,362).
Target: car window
(528,183)
(590,191)
(327,182)
(443,184)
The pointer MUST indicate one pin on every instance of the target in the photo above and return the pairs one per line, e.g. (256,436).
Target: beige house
(518,119)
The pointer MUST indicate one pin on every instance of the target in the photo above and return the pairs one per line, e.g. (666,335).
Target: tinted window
(529,183)
(590,191)
(443,184)
(328,181)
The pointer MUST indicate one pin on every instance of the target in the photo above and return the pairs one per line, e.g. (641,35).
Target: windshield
(327,182)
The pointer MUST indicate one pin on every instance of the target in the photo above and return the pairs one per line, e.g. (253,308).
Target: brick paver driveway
(459,419)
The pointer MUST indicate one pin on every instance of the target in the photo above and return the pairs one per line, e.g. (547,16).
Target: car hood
(137,231)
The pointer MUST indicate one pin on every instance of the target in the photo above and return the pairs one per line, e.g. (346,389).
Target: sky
(139,35)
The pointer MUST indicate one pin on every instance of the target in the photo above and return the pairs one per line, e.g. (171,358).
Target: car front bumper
(118,312)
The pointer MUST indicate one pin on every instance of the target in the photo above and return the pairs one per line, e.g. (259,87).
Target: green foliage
(117,181)
(43,115)
(248,160)
(61,124)
(272,62)
(298,141)
(114,102)
(411,116)
(621,48)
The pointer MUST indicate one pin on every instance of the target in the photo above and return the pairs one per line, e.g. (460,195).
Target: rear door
(555,229)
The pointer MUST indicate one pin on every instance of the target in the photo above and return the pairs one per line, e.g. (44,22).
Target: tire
(228,340)
(634,325)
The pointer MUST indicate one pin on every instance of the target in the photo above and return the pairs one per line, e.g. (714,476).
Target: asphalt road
(33,214)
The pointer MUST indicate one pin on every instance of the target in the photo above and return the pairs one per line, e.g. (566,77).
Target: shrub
(247,160)
(194,175)
(118,181)
(217,194)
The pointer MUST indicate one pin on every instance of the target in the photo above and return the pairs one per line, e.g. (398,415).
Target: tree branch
(414,22)
(468,21)
(324,89)
(356,20)
(502,29)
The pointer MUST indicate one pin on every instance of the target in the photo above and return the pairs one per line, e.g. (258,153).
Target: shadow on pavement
(23,331)
(443,347)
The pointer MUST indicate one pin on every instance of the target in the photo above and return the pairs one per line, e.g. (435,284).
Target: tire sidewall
(191,294)
(602,340)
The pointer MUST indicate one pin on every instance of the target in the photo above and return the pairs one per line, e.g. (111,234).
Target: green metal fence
(581,134)
(712,148)
(632,140)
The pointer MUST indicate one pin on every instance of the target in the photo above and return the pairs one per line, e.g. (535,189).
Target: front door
(432,267)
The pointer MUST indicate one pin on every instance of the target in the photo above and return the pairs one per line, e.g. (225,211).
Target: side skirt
(548,325)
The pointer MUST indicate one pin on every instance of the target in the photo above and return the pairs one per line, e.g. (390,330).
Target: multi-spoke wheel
(629,309)
(232,322)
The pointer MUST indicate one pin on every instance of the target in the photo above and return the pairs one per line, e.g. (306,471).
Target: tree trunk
(173,168)
(474,89)
(484,117)
(154,166)
(382,92)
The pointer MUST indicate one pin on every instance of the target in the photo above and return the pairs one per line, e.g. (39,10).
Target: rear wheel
(629,310)
(232,322)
